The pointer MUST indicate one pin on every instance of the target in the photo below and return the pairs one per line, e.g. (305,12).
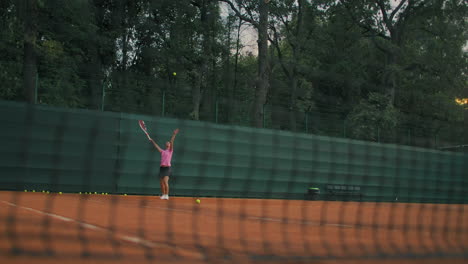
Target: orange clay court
(73,228)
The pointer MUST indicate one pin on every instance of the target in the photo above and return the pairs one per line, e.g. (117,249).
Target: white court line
(133,239)
(66,219)
(266,219)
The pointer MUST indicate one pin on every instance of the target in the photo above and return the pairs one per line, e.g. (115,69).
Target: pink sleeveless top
(166,156)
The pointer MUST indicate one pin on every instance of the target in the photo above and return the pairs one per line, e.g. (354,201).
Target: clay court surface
(72,228)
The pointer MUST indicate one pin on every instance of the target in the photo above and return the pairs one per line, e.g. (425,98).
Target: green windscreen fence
(236,193)
(78,150)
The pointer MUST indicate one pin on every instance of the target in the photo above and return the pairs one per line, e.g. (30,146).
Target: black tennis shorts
(164,171)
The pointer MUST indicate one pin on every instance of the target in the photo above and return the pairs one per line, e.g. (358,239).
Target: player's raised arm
(173,137)
(155,145)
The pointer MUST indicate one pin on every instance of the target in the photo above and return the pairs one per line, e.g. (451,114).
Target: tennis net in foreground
(84,185)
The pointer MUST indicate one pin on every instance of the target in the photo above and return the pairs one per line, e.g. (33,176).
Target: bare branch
(362,25)
(240,15)
(299,16)
(388,23)
(392,15)
(248,10)
(280,54)
(195,4)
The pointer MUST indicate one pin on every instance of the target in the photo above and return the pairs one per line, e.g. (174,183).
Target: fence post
(216,110)
(263,116)
(409,136)
(344,128)
(103,95)
(163,102)
(36,88)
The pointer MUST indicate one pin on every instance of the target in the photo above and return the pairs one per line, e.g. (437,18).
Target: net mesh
(79,184)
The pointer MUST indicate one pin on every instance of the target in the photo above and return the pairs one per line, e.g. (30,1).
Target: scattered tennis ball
(198,201)
(79,192)
(125,194)
(48,192)
(34,190)
(25,190)
(95,192)
(174,73)
(60,192)
(106,193)
(102,193)
(43,191)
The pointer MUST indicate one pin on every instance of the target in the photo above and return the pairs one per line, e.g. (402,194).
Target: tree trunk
(262,82)
(29,14)
(227,76)
(95,77)
(209,63)
(292,103)
(465,119)
(236,66)
(196,97)
(390,79)
(125,100)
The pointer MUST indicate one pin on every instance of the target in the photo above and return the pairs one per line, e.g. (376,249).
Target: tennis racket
(143,127)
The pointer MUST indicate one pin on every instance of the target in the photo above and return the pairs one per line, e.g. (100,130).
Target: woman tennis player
(165,169)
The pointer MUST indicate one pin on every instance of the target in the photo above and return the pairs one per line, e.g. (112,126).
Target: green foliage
(373,118)
(10,53)
(341,53)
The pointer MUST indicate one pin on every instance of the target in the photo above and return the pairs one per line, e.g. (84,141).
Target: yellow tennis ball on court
(125,194)
(60,192)
(25,190)
(198,201)
(34,190)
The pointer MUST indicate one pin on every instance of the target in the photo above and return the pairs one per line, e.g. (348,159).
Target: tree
(11,52)
(374,118)
(29,15)
(209,14)
(260,22)
(387,25)
(292,17)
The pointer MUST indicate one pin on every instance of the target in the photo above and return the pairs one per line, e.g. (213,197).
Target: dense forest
(381,70)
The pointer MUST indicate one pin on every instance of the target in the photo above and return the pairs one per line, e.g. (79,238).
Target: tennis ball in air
(197,201)
(174,73)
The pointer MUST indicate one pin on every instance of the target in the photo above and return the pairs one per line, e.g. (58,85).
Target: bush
(373,118)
